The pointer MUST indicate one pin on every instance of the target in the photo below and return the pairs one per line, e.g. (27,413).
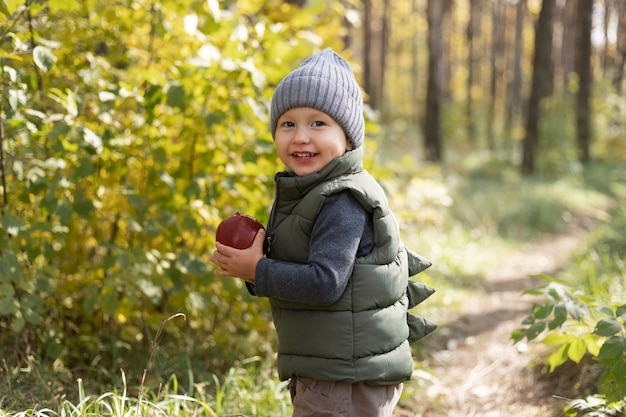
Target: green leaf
(33,308)
(64,211)
(612,348)
(83,206)
(613,383)
(18,322)
(196,267)
(44,58)
(607,327)
(152,97)
(593,343)
(176,96)
(558,358)
(555,339)
(533,331)
(91,294)
(560,315)
(10,268)
(110,303)
(63,5)
(607,311)
(84,169)
(192,265)
(517,335)
(8,304)
(11,6)
(542,311)
(577,350)
(212,118)
(11,224)
(544,277)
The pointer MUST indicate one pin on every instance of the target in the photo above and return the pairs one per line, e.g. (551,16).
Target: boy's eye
(288,124)
(318,123)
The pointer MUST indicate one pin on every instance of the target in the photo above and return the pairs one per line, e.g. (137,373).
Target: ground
(477,371)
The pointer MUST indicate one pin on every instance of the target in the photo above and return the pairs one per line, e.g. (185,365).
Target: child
(336,273)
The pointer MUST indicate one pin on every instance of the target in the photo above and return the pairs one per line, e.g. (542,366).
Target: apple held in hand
(239,231)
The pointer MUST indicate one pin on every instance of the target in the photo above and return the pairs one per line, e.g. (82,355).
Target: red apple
(239,231)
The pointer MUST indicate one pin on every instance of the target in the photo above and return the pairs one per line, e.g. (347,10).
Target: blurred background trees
(506,62)
(130,128)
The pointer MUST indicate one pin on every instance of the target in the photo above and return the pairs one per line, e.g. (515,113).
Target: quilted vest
(365,335)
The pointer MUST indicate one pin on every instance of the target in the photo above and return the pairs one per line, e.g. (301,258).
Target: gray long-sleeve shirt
(342,232)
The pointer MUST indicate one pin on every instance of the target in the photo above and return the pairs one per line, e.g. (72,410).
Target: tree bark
(514,93)
(568,44)
(435,13)
(367,46)
(541,84)
(497,45)
(416,99)
(373,51)
(621,47)
(606,54)
(382,59)
(347,38)
(583,68)
(471,59)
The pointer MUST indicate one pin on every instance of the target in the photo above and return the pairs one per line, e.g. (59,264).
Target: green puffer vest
(365,335)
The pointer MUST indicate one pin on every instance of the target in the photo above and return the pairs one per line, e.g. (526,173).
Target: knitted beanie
(325,82)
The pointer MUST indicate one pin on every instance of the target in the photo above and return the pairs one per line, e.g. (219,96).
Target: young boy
(336,273)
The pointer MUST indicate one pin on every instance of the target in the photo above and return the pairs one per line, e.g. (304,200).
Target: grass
(249,389)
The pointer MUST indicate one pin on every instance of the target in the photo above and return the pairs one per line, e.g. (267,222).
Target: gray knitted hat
(325,82)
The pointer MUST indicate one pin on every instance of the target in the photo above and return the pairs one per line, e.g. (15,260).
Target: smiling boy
(307,139)
(337,271)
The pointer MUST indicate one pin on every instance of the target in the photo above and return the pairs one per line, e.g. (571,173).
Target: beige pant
(334,399)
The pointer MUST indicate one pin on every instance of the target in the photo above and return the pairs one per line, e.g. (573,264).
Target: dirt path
(477,371)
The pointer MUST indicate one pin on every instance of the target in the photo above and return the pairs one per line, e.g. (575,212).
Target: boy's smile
(307,140)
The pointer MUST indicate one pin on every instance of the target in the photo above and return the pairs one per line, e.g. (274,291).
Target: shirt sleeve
(335,239)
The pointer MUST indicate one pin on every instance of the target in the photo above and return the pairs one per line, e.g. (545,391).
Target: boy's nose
(301,135)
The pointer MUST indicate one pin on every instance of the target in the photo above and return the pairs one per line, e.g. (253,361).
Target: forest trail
(477,371)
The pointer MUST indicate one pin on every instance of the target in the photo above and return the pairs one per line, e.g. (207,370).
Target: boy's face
(307,139)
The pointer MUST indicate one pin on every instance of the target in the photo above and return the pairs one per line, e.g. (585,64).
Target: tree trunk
(374,49)
(347,24)
(583,68)
(416,99)
(621,46)
(497,40)
(435,13)
(384,46)
(568,44)
(605,60)
(514,93)
(367,47)
(446,68)
(471,58)
(541,85)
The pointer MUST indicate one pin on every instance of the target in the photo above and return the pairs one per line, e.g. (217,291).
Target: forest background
(129,129)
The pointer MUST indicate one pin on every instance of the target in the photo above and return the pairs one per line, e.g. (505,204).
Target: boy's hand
(240,263)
